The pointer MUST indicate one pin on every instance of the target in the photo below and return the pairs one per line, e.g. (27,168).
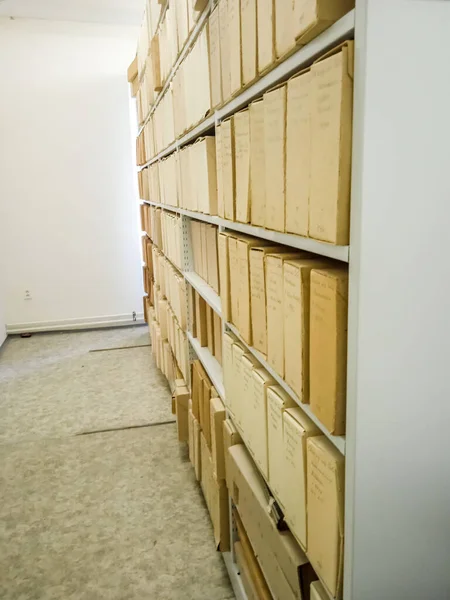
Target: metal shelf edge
(205,291)
(235,578)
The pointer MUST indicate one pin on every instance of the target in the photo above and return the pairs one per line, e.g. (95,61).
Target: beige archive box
(214,59)
(234,32)
(220,189)
(298,153)
(258,295)
(331,145)
(297,428)
(256,421)
(277,402)
(266,33)
(231,437)
(212,257)
(328,347)
(318,592)
(311,17)
(227,365)
(325,500)
(257,164)
(218,416)
(296,288)
(224,275)
(234,279)
(204,174)
(242,165)
(239,352)
(275,299)
(284,27)
(228,167)
(218,338)
(249,41)
(225,61)
(275,156)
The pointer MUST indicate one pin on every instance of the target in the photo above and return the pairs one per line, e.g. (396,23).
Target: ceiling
(115,12)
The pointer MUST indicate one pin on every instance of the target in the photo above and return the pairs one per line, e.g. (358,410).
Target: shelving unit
(395,360)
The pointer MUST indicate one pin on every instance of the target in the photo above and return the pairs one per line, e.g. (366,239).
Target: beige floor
(116,515)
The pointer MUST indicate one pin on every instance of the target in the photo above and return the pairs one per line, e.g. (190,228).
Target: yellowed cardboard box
(238,383)
(212,257)
(296,289)
(275,156)
(225,49)
(197,450)
(234,20)
(275,318)
(218,338)
(214,59)
(328,347)
(318,591)
(234,279)
(204,255)
(249,41)
(248,363)
(218,416)
(200,318)
(311,17)
(133,70)
(244,319)
(228,371)
(219,169)
(205,414)
(181,397)
(277,402)
(210,328)
(284,27)
(331,135)
(266,33)
(298,153)
(228,168)
(297,428)
(191,437)
(224,275)
(206,175)
(285,566)
(242,165)
(257,164)
(325,499)
(258,295)
(256,423)
(231,437)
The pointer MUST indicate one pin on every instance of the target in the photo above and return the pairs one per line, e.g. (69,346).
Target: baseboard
(76,324)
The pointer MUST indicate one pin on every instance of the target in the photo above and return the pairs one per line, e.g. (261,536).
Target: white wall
(398,450)
(68,216)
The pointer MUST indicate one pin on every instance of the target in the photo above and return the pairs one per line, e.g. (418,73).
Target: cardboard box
(257,164)
(212,257)
(311,17)
(200,319)
(249,41)
(243,413)
(251,575)
(219,169)
(205,412)
(318,591)
(217,338)
(228,371)
(224,275)
(206,175)
(204,245)
(236,408)
(214,59)
(283,563)
(234,23)
(243,294)
(181,397)
(225,61)
(197,451)
(284,27)
(231,437)
(234,279)
(296,289)
(258,295)
(325,498)
(328,347)
(266,34)
(210,328)
(275,156)
(216,497)
(132,72)
(331,135)
(228,170)
(275,317)
(297,428)
(218,416)
(256,420)
(191,444)
(277,402)
(242,164)
(298,153)
(197,388)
